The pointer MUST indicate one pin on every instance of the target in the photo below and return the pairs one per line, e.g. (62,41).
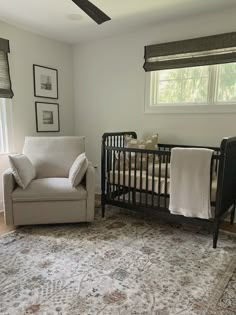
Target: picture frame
(45,82)
(47,117)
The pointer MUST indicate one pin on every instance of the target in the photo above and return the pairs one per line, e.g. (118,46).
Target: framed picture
(45,82)
(47,117)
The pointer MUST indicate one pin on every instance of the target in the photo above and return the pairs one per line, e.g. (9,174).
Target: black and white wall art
(45,82)
(47,117)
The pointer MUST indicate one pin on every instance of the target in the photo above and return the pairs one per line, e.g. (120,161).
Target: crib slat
(146,196)
(129,175)
(108,171)
(159,182)
(141,179)
(113,173)
(211,176)
(153,173)
(124,179)
(166,183)
(135,178)
(118,175)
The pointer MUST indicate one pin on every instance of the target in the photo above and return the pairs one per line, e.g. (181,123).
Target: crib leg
(216,233)
(103,210)
(103,203)
(232,215)
(133,196)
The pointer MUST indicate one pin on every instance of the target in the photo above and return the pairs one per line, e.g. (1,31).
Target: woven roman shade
(201,51)
(5,80)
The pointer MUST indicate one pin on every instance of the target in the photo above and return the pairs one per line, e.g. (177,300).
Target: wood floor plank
(3,227)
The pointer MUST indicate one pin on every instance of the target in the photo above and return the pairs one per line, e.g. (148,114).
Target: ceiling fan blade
(91,10)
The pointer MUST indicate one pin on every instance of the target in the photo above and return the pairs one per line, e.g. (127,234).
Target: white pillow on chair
(22,169)
(78,169)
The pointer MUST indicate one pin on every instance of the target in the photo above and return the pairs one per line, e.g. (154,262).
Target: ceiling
(50,17)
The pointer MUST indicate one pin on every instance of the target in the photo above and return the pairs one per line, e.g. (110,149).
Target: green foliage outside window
(192,85)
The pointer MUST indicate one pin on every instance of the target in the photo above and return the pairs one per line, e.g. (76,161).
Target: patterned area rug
(122,264)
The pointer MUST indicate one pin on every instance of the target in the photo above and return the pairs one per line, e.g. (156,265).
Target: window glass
(181,86)
(226,91)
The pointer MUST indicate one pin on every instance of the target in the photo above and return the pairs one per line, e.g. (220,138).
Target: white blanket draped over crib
(190,182)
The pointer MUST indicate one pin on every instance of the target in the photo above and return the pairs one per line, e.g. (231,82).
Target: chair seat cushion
(49,189)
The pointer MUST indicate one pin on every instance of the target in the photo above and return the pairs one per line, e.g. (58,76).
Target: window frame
(211,106)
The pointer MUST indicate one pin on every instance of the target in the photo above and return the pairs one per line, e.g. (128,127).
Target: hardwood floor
(228,227)
(3,227)
(6,229)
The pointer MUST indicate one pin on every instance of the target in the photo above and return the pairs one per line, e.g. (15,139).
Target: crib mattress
(146,183)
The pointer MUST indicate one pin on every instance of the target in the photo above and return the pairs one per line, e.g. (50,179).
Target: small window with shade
(197,75)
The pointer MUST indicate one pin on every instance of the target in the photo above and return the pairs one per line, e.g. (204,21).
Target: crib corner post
(232,214)
(216,232)
(103,209)
(103,174)
(103,196)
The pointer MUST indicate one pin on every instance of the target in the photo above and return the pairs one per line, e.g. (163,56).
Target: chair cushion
(22,169)
(49,189)
(53,156)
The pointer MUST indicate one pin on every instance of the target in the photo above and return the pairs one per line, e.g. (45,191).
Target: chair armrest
(90,187)
(9,184)
(90,179)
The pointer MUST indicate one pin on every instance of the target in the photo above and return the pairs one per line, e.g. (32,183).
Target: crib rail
(217,151)
(137,177)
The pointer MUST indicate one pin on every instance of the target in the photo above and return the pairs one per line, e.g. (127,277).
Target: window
(6,144)
(180,86)
(187,88)
(192,75)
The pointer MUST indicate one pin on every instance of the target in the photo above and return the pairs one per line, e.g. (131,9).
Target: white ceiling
(50,17)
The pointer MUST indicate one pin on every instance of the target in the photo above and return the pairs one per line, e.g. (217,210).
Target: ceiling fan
(92,11)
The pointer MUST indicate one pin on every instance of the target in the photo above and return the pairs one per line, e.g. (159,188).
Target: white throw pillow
(22,169)
(78,169)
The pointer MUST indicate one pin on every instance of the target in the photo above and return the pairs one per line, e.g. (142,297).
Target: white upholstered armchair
(50,197)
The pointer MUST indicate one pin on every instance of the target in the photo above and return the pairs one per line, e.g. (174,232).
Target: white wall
(110,87)
(28,49)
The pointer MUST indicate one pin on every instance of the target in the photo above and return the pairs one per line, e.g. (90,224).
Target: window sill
(191,109)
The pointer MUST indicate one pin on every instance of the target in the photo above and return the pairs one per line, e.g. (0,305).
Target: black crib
(121,187)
